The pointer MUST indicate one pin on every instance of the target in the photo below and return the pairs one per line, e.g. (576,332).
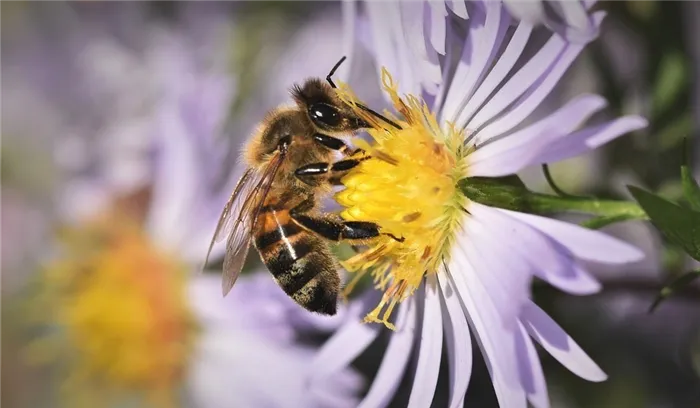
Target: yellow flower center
(408,187)
(118,306)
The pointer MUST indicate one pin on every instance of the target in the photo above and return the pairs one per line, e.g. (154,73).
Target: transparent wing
(241,192)
(241,235)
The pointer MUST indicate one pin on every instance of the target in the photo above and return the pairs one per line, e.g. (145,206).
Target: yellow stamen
(120,311)
(408,187)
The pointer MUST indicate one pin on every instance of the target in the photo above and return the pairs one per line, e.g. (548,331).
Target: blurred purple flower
(479,283)
(155,154)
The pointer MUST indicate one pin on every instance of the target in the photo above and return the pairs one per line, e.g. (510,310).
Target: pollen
(120,323)
(408,186)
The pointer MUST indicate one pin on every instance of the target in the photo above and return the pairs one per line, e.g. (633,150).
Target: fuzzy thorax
(409,188)
(119,306)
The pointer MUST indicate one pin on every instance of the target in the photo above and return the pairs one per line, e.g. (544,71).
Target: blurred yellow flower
(119,304)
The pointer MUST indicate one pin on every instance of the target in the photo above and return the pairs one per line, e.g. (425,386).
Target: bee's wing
(240,193)
(239,241)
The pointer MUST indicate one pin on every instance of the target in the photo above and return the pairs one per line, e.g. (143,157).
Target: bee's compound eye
(324,114)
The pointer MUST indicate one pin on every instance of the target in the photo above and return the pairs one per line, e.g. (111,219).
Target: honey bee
(275,204)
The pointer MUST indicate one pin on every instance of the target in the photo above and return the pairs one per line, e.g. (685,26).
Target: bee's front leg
(317,173)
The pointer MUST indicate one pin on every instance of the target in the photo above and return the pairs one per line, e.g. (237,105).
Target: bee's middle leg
(333,228)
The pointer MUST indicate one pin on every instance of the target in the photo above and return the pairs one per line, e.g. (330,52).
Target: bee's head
(325,110)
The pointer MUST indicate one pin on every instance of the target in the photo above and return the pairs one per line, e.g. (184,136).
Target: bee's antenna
(335,67)
(363,107)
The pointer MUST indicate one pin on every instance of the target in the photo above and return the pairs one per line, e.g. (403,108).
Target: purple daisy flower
(465,268)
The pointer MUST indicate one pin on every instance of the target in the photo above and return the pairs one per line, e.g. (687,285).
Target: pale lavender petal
(349,12)
(508,278)
(395,359)
(577,25)
(590,138)
(346,344)
(577,282)
(390,49)
(530,11)
(584,243)
(174,181)
(530,100)
(459,7)
(527,76)
(547,258)
(458,340)
(559,344)
(430,350)
(413,20)
(530,368)
(486,32)
(574,23)
(502,67)
(483,312)
(524,91)
(438,24)
(537,89)
(512,153)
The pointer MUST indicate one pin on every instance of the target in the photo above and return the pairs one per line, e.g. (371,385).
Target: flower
(565,17)
(121,316)
(455,266)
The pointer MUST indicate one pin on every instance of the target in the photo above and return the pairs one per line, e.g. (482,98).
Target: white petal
(175,181)
(351,339)
(530,11)
(430,350)
(559,344)
(495,340)
(524,79)
(508,279)
(483,37)
(584,243)
(413,18)
(531,374)
(458,340)
(349,12)
(505,63)
(438,25)
(578,282)
(548,259)
(395,359)
(459,7)
(590,138)
(512,153)
(235,368)
(526,91)
(390,48)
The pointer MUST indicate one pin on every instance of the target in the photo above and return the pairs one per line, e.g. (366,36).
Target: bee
(275,204)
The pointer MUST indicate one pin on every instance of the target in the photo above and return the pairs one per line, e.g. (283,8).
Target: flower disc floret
(408,186)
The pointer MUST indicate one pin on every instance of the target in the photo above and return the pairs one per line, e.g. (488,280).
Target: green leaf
(674,286)
(691,190)
(680,225)
(669,83)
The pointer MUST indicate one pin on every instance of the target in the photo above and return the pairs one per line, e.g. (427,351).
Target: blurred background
(121,130)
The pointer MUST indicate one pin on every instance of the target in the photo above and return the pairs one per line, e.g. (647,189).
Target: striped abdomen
(300,261)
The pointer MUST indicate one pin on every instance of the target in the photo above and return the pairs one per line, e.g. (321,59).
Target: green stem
(510,193)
